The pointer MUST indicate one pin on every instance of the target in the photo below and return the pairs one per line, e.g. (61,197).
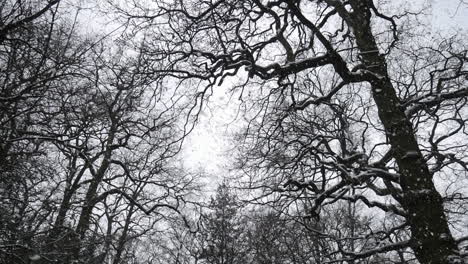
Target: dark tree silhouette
(344,95)
(222,234)
(87,143)
(353,148)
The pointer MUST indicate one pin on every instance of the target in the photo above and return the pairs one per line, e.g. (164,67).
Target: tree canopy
(352,147)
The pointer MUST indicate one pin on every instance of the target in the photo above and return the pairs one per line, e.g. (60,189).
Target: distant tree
(39,52)
(222,236)
(280,237)
(122,177)
(273,239)
(87,143)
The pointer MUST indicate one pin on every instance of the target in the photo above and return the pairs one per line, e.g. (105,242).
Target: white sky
(208,147)
(449,14)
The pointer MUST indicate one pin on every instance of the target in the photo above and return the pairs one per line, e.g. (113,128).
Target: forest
(345,123)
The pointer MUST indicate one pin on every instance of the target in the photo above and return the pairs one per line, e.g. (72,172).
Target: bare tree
(343,95)
(19,15)
(88,143)
(121,155)
(39,52)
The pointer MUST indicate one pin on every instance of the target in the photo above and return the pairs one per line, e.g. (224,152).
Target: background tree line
(352,148)
(88,143)
(232,231)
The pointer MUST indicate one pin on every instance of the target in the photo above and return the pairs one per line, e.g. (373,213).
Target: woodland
(350,145)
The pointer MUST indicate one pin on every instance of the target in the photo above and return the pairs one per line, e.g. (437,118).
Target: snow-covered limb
(299,185)
(383,249)
(364,73)
(316,101)
(384,207)
(275,69)
(384,174)
(462,239)
(431,100)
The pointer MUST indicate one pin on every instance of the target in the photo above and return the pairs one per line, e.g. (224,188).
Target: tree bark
(89,202)
(432,241)
(123,238)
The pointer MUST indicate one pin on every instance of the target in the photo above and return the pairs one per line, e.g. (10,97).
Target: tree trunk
(432,241)
(89,202)
(123,238)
